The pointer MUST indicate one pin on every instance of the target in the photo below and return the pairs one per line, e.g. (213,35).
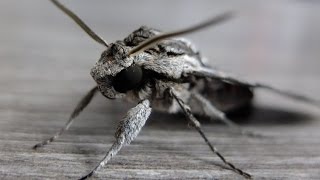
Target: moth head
(115,72)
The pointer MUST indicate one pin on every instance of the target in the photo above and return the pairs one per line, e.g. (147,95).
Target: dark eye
(128,79)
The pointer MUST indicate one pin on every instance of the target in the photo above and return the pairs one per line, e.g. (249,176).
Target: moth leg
(196,124)
(81,105)
(215,113)
(128,129)
(216,74)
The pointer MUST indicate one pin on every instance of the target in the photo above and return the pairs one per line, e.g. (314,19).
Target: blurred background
(45,60)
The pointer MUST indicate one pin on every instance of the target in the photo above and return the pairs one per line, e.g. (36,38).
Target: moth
(162,72)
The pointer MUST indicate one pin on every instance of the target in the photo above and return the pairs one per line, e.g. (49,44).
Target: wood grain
(44,71)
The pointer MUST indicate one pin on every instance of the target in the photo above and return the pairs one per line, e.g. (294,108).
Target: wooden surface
(44,71)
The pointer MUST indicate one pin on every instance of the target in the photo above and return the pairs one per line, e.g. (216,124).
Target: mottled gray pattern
(173,59)
(170,58)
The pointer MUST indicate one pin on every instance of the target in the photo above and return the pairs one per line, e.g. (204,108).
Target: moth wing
(229,78)
(227,97)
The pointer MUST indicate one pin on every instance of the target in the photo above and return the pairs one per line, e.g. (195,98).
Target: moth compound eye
(128,79)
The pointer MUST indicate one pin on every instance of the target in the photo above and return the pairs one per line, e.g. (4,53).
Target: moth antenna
(154,40)
(77,20)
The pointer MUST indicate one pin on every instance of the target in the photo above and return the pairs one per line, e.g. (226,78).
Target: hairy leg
(214,113)
(81,105)
(196,124)
(128,129)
